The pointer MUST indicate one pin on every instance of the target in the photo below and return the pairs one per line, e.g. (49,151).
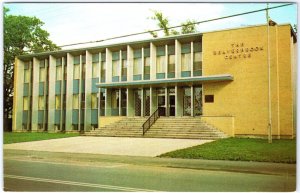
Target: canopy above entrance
(168,82)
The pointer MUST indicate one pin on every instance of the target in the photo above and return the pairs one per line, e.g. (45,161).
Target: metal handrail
(150,121)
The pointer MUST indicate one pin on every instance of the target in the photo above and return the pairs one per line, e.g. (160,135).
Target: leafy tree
(188,27)
(295,28)
(163,22)
(22,35)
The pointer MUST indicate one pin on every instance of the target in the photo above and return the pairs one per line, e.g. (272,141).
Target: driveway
(149,147)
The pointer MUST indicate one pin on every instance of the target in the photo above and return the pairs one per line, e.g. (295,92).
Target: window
(83,58)
(94,101)
(171,63)
(76,74)
(57,102)
(83,71)
(42,74)
(58,73)
(197,61)
(115,68)
(76,60)
(95,58)
(209,98)
(25,103)
(186,62)
(160,64)
(41,105)
(147,65)
(26,76)
(137,66)
(82,106)
(103,67)
(65,72)
(124,67)
(75,101)
(95,70)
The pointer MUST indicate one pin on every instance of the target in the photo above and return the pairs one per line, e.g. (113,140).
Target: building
(221,77)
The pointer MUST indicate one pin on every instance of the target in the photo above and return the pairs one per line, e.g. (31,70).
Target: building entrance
(171,101)
(187,106)
(161,102)
(137,102)
(147,102)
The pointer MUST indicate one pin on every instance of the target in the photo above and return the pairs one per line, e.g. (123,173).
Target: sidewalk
(149,147)
(94,159)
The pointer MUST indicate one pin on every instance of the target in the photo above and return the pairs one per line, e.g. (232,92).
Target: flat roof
(167,82)
(167,38)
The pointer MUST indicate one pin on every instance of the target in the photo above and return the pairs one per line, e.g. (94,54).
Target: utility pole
(269,78)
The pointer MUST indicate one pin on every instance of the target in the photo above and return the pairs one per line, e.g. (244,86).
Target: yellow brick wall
(243,54)
(223,123)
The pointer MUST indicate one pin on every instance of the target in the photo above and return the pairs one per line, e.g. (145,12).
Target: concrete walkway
(149,147)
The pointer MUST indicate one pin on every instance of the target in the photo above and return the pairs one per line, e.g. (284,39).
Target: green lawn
(241,149)
(9,137)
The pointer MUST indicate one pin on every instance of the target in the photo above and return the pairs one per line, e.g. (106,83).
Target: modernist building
(221,77)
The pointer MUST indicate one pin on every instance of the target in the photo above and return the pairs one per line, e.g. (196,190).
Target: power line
(198,22)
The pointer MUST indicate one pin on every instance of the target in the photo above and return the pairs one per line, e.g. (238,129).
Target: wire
(198,22)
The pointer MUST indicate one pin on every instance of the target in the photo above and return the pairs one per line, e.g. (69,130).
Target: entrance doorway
(187,105)
(147,102)
(171,101)
(137,102)
(161,102)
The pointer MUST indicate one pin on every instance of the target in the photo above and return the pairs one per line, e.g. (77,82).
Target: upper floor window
(94,101)
(41,104)
(147,61)
(124,63)
(160,59)
(95,62)
(76,60)
(171,59)
(137,62)
(26,76)
(58,72)
(75,101)
(25,103)
(186,57)
(197,59)
(76,71)
(115,63)
(57,102)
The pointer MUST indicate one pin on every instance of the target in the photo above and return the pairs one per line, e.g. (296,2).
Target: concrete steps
(185,128)
(128,127)
(164,127)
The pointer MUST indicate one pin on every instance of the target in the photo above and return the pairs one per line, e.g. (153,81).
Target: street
(30,174)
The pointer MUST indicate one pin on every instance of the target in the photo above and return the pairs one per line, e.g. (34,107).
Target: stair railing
(150,121)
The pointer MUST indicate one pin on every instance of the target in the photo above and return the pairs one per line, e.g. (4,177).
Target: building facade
(221,77)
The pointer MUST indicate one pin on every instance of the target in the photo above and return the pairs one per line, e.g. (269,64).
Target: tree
(22,35)
(163,22)
(188,27)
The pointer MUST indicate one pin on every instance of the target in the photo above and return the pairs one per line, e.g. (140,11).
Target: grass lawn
(9,137)
(241,149)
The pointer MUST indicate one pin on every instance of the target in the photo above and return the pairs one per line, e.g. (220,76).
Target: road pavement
(47,171)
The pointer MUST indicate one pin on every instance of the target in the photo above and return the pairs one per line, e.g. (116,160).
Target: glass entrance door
(187,102)
(198,100)
(171,101)
(137,102)
(147,102)
(161,102)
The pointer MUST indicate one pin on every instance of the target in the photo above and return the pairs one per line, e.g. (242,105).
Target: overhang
(168,82)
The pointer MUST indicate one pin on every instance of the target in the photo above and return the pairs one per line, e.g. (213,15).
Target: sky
(70,23)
